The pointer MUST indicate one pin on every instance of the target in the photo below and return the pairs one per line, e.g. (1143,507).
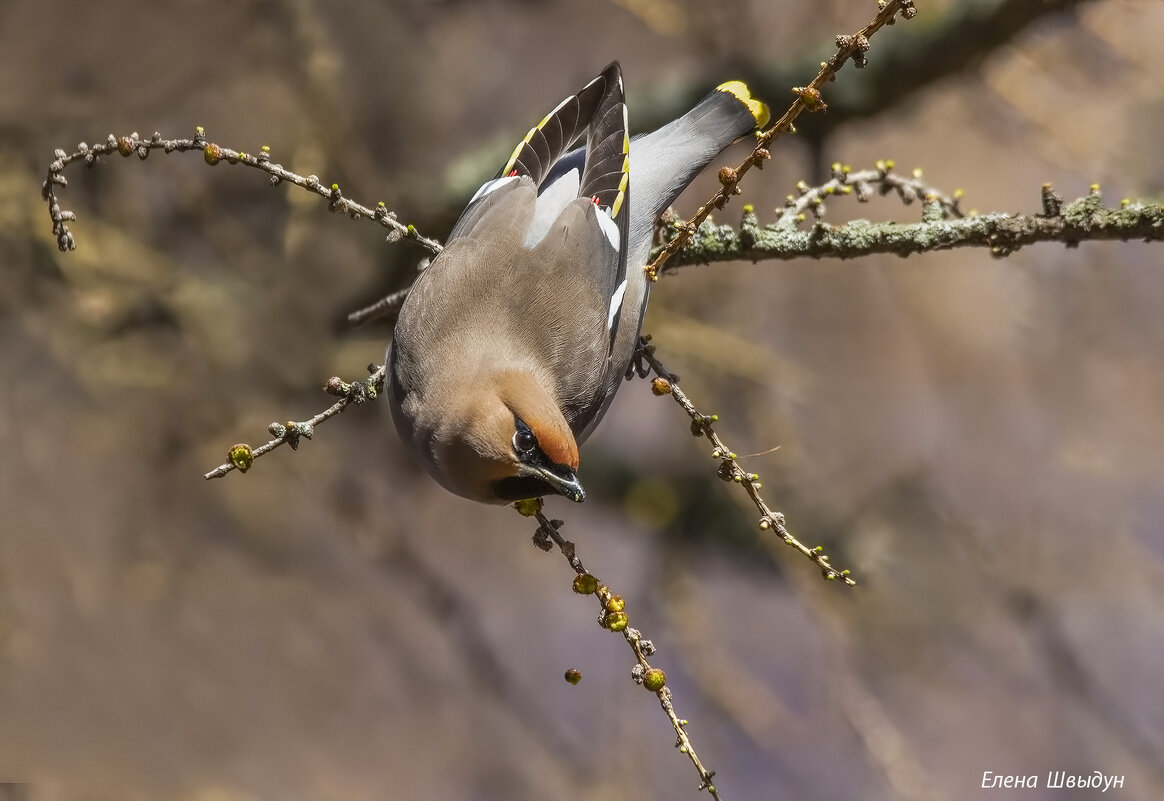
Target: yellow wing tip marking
(517,150)
(621,191)
(512,159)
(741,92)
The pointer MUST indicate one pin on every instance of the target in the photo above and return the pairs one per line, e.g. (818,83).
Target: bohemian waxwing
(514,340)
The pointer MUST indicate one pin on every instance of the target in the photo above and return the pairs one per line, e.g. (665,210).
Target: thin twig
(962,35)
(614,618)
(241,456)
(387,306)
(808,98)
(863,184)
(213,154)
(667,383)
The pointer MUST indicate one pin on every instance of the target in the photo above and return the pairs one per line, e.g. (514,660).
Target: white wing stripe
(615,305)
(609,227)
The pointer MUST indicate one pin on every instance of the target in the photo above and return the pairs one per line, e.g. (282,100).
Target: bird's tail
(665,161)
(739,90)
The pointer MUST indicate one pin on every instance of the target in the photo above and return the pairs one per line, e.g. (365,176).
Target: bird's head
(507,440)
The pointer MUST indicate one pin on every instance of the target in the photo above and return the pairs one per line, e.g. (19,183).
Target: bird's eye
(524,440)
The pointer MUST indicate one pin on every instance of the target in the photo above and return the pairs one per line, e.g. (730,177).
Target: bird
(513,341)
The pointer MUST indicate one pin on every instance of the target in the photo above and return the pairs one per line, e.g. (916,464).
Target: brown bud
(811,98)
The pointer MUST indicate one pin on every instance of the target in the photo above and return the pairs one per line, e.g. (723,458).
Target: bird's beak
(564,483)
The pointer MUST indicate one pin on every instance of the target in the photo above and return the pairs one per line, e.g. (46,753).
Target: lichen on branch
(1081,220)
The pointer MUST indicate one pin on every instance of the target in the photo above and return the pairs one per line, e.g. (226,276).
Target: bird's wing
(598,175)
(538,156)
(606,183)
(546,142)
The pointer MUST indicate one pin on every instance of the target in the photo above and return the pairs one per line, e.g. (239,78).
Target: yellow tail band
(743,94)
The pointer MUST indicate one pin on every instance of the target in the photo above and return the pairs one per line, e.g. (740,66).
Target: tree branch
(1082,220)
(241,456)
(808,98)
(613,616)
(213,154)
(967,33)
(729,469)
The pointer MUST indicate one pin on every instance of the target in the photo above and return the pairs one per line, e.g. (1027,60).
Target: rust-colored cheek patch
(558,446)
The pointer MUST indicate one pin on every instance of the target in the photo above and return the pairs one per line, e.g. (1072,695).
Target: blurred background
(980,441)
